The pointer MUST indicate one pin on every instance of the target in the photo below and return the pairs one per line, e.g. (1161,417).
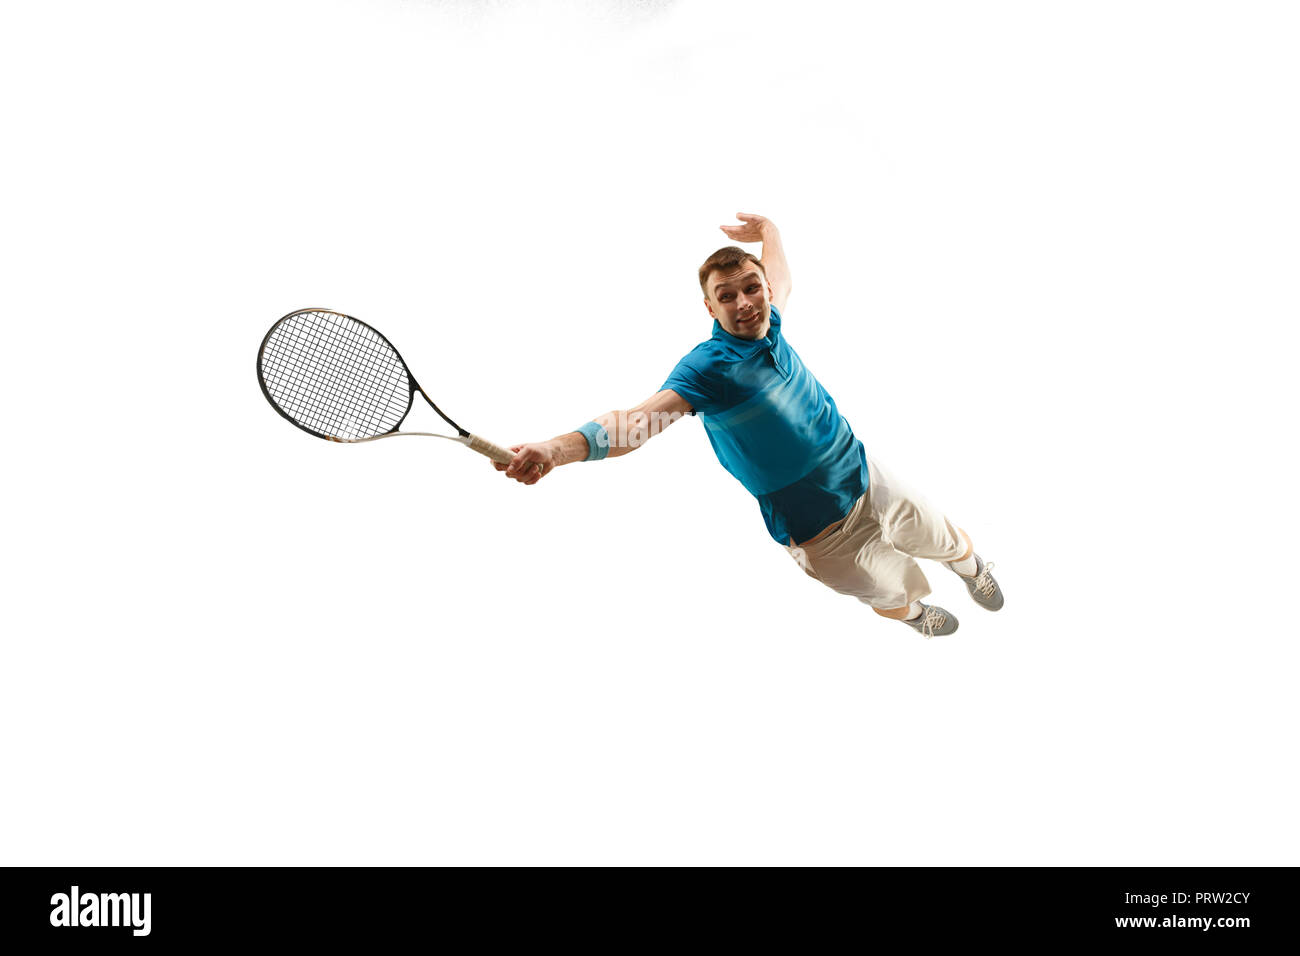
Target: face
(741,301)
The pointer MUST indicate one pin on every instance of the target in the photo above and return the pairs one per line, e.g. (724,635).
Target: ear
(709,307)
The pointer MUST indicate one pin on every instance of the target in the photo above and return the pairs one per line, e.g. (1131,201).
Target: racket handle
(484,447)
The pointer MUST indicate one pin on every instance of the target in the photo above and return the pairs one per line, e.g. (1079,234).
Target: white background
(1044,259)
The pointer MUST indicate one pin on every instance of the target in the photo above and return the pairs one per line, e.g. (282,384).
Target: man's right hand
(532,463)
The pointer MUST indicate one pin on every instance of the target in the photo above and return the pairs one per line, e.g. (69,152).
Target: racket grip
(485,447)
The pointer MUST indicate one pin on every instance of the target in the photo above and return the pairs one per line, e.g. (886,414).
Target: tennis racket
(339,379)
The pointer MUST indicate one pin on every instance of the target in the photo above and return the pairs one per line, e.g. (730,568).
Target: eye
(753,288)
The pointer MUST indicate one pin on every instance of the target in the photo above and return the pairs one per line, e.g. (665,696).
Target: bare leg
(970,547)
(895,613)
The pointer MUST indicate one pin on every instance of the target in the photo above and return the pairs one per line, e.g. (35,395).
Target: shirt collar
(743,348)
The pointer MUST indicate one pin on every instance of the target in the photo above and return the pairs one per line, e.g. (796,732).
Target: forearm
(567,448)
(612,435)
(774,263)
(626,430)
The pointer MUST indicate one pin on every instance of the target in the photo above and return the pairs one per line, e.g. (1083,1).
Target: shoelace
(984,582)
(929,621)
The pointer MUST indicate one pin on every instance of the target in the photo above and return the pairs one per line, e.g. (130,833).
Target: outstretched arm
(628,430)
(758,229)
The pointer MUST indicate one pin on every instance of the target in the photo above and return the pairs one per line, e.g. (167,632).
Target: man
(847,522)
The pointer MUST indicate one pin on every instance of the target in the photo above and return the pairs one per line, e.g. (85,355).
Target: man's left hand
(751,231)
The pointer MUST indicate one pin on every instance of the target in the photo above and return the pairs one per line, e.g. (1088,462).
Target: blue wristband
(597,440)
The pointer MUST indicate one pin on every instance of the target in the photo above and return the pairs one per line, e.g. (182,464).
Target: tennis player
(848,522)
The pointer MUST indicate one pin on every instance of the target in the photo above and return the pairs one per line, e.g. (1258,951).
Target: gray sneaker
(933,620)
(983,589)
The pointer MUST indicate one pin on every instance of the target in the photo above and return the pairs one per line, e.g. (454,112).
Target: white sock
(967,567)
(916,611)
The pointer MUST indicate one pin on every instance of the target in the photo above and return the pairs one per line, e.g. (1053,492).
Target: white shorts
(869,553)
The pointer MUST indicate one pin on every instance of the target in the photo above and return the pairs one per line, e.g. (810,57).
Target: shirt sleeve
(691,379)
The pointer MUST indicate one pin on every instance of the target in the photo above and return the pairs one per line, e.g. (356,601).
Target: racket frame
(462,436)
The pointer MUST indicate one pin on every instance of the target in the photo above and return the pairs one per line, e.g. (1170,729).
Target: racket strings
(335,376)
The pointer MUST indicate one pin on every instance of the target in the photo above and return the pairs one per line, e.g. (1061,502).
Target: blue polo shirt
(775,428)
